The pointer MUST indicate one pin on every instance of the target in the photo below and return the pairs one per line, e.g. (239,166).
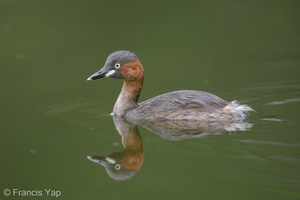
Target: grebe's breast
(178,105)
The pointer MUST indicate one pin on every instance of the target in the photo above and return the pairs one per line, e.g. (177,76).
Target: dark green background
(52,118)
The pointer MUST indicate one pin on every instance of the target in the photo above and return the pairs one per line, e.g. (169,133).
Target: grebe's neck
(131,89)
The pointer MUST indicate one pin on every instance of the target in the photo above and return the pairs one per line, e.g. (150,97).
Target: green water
(52,118)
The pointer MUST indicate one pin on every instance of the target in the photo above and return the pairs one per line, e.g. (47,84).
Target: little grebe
(178,105)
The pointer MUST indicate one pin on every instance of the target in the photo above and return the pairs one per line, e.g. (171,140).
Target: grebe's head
(114,166)
(120,65)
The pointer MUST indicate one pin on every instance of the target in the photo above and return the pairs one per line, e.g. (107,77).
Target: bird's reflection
(124,165)
(181,130)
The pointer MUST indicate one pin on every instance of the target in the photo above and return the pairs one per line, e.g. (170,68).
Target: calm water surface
(52,118)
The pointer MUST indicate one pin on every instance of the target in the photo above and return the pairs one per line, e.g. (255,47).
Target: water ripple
(273,119)
(284,101)
(262,142)
(51,125)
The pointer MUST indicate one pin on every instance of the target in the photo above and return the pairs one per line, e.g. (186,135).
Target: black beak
(99,74)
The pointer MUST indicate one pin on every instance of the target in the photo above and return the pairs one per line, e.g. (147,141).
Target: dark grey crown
(121,57)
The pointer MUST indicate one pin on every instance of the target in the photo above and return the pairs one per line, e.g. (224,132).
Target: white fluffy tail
(242,110)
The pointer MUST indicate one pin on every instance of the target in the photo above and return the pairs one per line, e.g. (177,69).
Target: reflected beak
(98,159)
(102,160)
